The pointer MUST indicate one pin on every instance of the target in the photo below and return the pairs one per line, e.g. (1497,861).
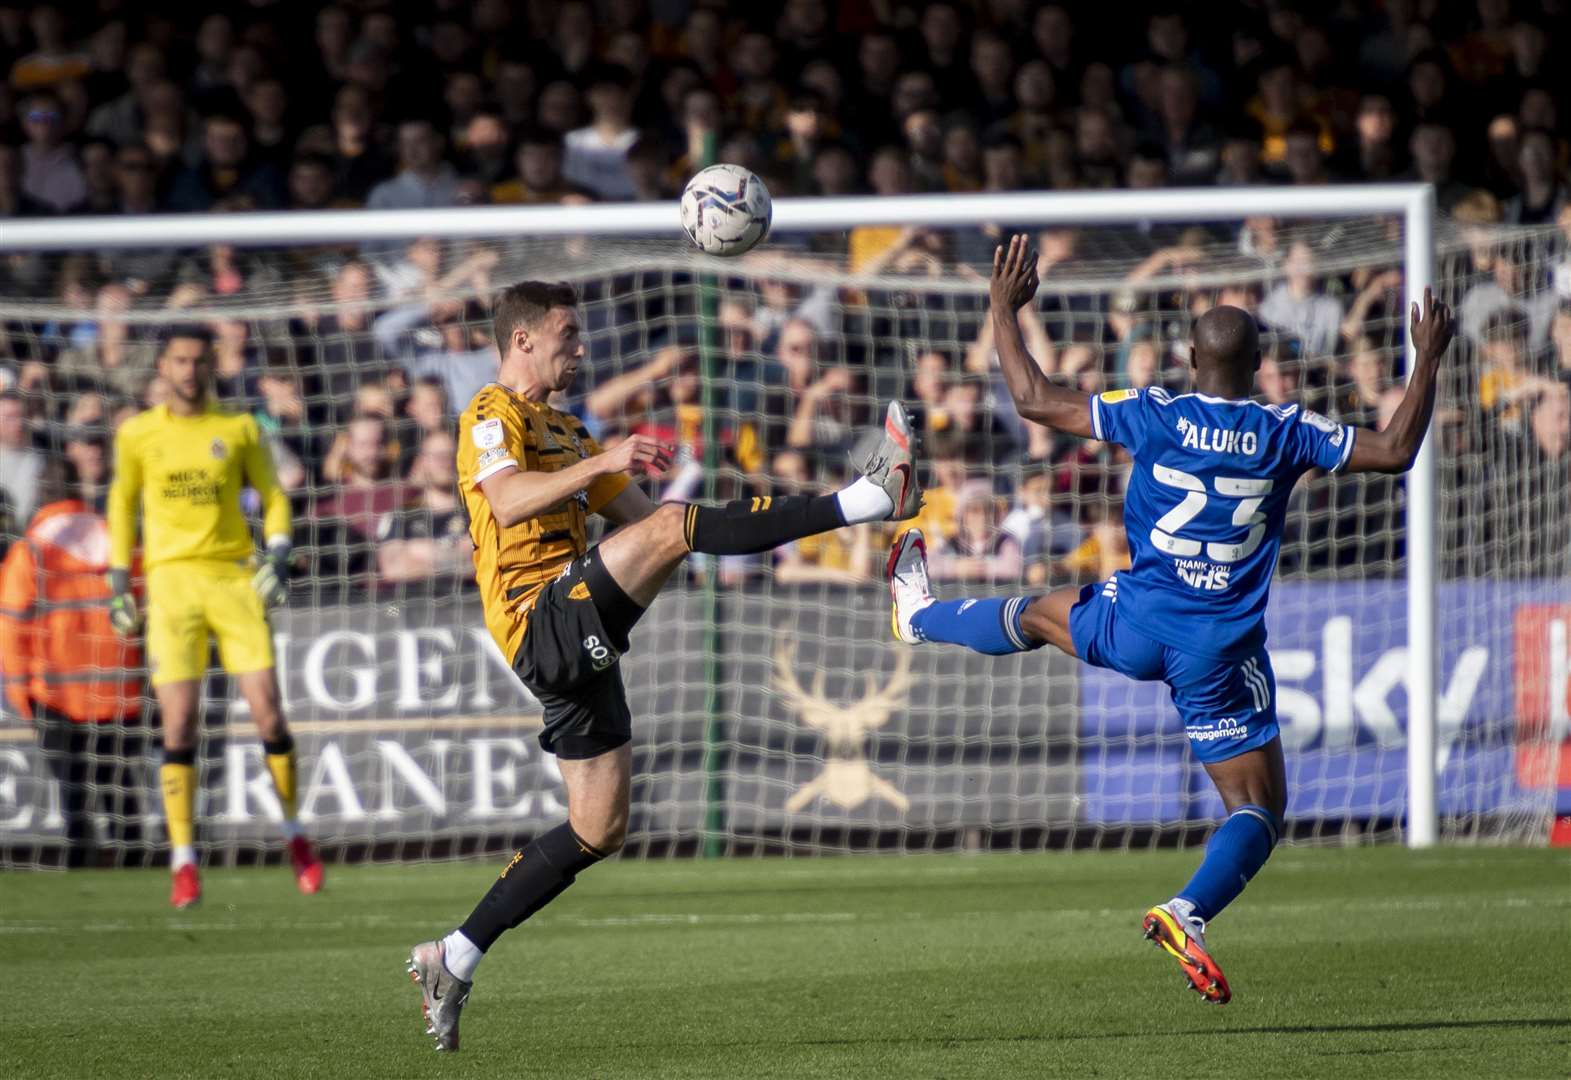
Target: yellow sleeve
(260,475)
(491,437)
(604,488)
(125,496)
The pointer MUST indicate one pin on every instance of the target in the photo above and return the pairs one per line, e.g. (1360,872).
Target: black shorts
(569,657)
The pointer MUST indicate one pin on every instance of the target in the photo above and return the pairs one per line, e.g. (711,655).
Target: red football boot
(307,867)
(185,887)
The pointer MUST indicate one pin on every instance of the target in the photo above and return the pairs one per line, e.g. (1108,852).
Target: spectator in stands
(1367,376)
(427,539)
(313,185)
(21,465)
(361,467)
(1297,307)
(120,119)
(1505,382)
(1277,378)
(1543,193)
(596,155)
(98,175)
(53,60)
(1038,530)
(86,452)
(941,491)
(226,170)
(1192,143)
(281,416)
(484,144)
(1490,296)
(538,161)
(978,549)
(821,416)
(1433,149)
(1105,550)
(1560,342)
(428,407)
(424,179)
(1372,155)
(114,359)
(1551,425)
(50,173)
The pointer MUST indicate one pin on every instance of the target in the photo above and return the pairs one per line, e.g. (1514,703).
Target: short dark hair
(526,304)
(193,330)
(540,136)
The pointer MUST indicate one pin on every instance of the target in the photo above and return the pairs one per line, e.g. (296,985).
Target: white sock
(864,501)
(181,855)
(291,829)
(1184,910)
(460,956)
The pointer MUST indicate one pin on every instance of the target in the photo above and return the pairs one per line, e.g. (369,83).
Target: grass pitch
(1360,963)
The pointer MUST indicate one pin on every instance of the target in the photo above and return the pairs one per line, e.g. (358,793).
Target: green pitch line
(1362,963)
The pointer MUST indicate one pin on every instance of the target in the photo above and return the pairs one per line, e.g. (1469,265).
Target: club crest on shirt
(220,451)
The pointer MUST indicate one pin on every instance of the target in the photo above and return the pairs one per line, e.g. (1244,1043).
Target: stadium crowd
(130,108)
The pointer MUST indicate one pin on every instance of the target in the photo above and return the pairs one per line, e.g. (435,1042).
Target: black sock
(282,745)
(748,526)
(537,875)
(180,757)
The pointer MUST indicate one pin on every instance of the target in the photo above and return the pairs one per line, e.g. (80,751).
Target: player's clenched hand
(124,618)
(640,454)
(271,580)
(1014,280)
(1432,333)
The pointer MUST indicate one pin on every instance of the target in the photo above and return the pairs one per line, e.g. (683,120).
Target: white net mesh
(772,712)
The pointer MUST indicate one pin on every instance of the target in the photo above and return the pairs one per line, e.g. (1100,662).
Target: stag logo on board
(847,779)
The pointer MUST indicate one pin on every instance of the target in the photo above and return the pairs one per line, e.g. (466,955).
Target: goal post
(787,733)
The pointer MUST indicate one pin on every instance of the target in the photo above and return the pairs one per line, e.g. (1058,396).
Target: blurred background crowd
(116,107)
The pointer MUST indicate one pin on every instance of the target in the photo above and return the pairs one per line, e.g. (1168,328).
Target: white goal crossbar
(1414,203)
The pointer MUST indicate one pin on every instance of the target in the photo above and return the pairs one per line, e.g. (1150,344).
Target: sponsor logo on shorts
(600,654)
(1225,728)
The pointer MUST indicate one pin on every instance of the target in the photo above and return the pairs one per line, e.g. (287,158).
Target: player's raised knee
(668,528)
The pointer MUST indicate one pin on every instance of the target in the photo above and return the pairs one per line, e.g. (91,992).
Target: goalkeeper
(184,464)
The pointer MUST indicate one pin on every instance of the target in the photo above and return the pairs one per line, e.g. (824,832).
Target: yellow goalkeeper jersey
(186,474)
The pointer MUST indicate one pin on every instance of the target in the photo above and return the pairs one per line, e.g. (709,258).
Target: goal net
(772,710)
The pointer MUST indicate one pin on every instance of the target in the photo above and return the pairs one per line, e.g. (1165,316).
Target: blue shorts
(1227,706)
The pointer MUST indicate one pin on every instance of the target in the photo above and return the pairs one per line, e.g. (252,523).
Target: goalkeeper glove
(123,615)
(271,580)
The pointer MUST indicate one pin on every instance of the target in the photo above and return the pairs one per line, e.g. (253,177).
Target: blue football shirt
(1205,506)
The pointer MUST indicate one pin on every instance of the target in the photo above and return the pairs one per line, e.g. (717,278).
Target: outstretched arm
(1013,285)
(1393,450)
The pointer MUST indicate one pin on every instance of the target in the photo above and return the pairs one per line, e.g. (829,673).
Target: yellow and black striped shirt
(502,429)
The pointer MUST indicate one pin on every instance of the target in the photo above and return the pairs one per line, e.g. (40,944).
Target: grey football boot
(888,459)
(442,993)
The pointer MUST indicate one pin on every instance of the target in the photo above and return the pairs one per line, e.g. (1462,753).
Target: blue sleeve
(1320,442)
(1119,416)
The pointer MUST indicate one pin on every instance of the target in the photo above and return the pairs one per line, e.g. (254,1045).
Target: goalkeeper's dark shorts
(577,633)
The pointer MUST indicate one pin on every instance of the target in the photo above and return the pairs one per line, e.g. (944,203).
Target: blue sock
(989,626)
(1233,855)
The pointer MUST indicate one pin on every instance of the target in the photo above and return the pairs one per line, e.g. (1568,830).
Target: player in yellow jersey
(561,612)
(183,465)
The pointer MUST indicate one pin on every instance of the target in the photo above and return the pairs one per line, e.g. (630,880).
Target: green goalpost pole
(714,725)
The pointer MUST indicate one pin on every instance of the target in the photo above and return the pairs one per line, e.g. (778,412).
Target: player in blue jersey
(1213,471)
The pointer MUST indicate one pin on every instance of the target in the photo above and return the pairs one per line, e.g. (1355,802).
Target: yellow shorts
(187,601)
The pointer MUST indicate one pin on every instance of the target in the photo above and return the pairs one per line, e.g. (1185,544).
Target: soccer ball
(726,210)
